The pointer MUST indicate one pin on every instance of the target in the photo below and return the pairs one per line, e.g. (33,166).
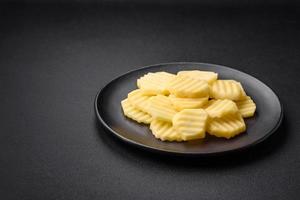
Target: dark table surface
(55,58)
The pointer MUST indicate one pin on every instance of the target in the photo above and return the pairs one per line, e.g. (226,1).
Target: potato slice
(220,108)
(160,107)
(134,113)
(138,99)
(186,103)
(164,131)
(243,93)
(184,86)
(227,89)
(190,123)
(155,83)
(246,107)
(226,127)
(200,75)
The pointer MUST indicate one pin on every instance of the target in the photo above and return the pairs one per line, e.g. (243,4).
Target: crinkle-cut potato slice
(134,113)
(190,123)
(227,89)
(181,103)
(243,93)
(185,103)
(221,107)
(246,107)
(200,75)
(155,83)
(164,131)
(227,126)
(138,99)
(184,86)
(160,107)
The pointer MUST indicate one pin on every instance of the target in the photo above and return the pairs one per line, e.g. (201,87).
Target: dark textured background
(55,57)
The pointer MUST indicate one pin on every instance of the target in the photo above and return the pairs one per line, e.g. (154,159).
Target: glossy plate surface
(267,119)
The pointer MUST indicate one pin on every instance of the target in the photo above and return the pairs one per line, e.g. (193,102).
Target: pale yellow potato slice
(227,89)
(221,107)
(161,108)
(246,107)
(200,75)
(138,99)
(185,103)
(164,131)
(243,93)
(190,123)
(134,113)
(155,83)
(227,126)
(184,86)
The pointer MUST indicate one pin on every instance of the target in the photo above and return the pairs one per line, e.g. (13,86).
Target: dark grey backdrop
(170,2)
(55,57)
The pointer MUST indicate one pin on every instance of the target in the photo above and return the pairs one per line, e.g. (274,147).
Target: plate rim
(153,149)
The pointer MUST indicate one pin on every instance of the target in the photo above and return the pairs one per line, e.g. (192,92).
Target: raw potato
(134,113)
(185,103)
(200,75)
(226,127)
(246,107)
(219,108)
(190,123)
(227,89)
(155,83)
(184,86)
(160,107)
(243,93)
(188,105)
(138,99)
(164,131)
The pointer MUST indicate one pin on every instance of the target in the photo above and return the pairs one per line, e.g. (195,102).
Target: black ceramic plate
(266,120)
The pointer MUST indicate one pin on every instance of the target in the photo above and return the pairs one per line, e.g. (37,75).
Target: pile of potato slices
(189,105)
